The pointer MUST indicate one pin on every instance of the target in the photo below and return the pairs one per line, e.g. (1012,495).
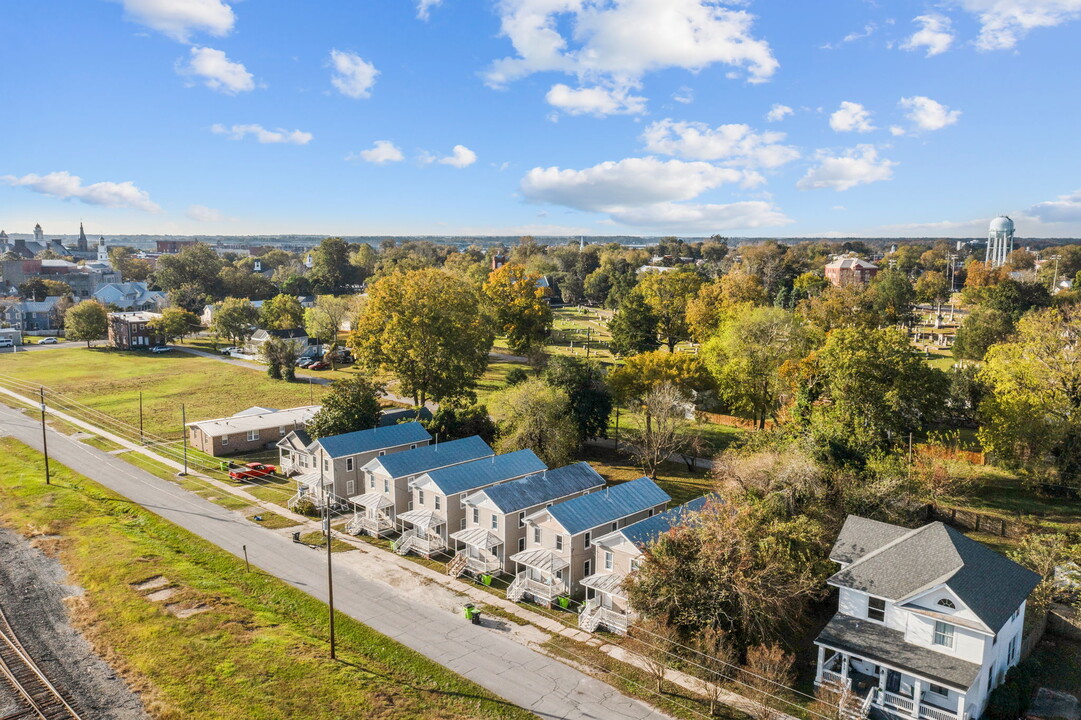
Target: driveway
(518,674)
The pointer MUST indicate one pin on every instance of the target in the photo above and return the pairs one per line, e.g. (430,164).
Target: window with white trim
(587,539)
(521,519)
(326,464)
(349,464)
(476,515)
(943,634)
(876,609)
(411,447)
(521,544)
(420,497)
(495,521)
(224,440)
(938,690)
(253,435)
(559,542)
(536,535)
(371,481)
(350,488)
(437,503)
(386,485)
(609,560)
(947,603)
(587,568)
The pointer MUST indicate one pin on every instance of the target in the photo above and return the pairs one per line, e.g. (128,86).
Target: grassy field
(258,651)
(110,381)
(1003,494)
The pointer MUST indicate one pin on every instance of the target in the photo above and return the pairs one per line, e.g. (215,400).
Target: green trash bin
(564,602)
(486,579)
(468,611)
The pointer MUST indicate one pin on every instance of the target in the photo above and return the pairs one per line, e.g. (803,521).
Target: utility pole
(1054,283)
(311,391)
(44,436)
(184,429)
(141,440)
(330,569)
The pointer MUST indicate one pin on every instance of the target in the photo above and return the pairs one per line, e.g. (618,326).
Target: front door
(893,681)
(606,601)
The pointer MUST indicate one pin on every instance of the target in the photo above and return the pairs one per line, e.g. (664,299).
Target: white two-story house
(928,621)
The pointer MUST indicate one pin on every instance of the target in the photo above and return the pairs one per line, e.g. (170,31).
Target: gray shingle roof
(860,536)
(377,438)
(478,473)
(990,584)
(430,457)
(599,508)
(877,642)
(542,487)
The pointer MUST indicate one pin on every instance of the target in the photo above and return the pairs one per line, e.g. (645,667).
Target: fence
(731,420)
(979,522)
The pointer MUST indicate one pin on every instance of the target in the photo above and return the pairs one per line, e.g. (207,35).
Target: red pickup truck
(252,471)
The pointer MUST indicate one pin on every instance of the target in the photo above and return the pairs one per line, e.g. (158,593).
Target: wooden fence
(979,522)
(731,420)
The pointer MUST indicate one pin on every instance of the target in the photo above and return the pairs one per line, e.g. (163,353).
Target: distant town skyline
(624,117)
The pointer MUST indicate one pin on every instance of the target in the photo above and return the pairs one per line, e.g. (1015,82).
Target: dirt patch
(35,599)
(180,611)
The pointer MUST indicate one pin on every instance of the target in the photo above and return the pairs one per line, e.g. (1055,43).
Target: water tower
(999,241)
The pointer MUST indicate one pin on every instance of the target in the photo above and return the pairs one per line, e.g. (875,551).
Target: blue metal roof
(377,438)
(644,532)
(430,457)
(598,508)
(542,487)
(479,473)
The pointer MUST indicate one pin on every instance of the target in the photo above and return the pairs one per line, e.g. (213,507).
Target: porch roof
(543,560)
(372,500)
(477,537)
(608,583)
(422,519)
(880,644)
(312,480)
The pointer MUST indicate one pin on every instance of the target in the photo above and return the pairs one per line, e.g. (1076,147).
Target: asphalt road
(521,676)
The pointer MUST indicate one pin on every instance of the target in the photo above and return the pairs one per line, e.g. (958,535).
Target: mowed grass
(110,381)
(1003,494)
(259,651)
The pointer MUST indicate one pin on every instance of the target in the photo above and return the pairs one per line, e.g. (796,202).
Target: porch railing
(896,701)
(835,678)
(523,585)
(593,615)
(413,541)
(375,527)
(929,712)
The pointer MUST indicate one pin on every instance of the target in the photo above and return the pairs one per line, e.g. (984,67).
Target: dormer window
(943,635)
(947,603)
(876,609)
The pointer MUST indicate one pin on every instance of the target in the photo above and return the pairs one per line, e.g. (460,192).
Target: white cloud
(424,7)
(684,95)
(383,152)
(935,34)
(897,130)
(778,112)
(202,213)
(856,166)
(461,157)
(599,101)
(851,117)
(1004,22)
(352,75)
(706,217)
(1067,208)
(868,30)
(180,18)
(928,114)
(734,144)
(218,72)
(617,42)
(239,132)
(627,183)
(66,186)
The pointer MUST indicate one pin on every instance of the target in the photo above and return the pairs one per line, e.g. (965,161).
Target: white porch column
(821,663)
(844,666)
(917,696)
(961,707)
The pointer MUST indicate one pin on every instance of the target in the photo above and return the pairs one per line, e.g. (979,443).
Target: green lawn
(258,651)
(110,381)
(1004,495)
(272,520)
(715,436)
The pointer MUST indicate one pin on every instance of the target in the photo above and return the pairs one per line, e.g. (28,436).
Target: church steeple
(82,238)
(39,234)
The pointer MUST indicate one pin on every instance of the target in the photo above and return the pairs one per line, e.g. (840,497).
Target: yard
(258,651)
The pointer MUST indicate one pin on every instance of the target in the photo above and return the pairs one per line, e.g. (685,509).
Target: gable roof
(297,440)
(430,457)
(541,487)
(245,421)
(990,584)
(599,508)
(860,536)
(376,438)
(644,532)
(263,335)
(487,471)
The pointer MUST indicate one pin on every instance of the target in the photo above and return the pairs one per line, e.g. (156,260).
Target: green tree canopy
(350,405)
(519,308)
(331,269)
(281,312)
(983,328)
(453,423)
(668,294)
(642,373)
(423,327)
(86,322)
(235,319)
(196,265)
(325,319)
(633,327)
(535,416)
(590,398)
(174,323)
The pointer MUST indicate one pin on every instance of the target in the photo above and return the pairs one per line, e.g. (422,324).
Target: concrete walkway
(518,674)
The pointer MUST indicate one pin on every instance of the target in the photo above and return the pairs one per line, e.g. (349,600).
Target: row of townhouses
(928,620)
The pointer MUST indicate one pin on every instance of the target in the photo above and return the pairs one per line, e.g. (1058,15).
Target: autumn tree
(654,640)
(331,269)
(589,395)
(280,355)
(196,265)
(423,327)
(87,321)
(533,415)
(747,354)
(325,319)
(132,269)
(350,405)
(981,329)
(668,294)
(641,373)
(633,327)
(1032,414)
(235,319)
(717,659)
(892,296)
(933,288)
(37,289)
(769,671)
(1047,555)
(662,427)
(519,308)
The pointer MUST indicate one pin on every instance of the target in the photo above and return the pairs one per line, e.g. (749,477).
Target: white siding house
(927,624)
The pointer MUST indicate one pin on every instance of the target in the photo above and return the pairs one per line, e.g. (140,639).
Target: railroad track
(43,700)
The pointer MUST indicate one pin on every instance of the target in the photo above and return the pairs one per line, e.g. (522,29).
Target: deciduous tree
(281,312)
(590,398)
(668,294)
(87,321)
(535,416)
(633,327)
(174,323)
(235,319)
(518,306)
(350,405)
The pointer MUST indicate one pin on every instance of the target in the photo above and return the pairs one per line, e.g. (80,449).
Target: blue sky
(683,117)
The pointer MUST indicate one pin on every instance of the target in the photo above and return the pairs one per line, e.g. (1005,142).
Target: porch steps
(457,565)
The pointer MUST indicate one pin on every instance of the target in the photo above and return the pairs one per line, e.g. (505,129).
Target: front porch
(868,685)
(603,608)
(371,515)
(481,555)
(309,490)
(423,535)
(542,580)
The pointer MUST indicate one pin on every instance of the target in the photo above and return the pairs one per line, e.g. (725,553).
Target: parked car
(160,349)
(229,350)
(47,341)
(251,471)
(304,362)
(319,365)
